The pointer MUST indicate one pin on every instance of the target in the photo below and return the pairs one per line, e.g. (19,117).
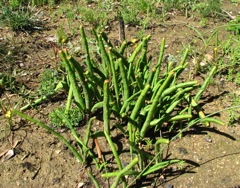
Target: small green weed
(201,47)
(74,116)
(233,114)
(234,26)
(48,81)
(130,16)
(231,48)
(61,36)
(7,82)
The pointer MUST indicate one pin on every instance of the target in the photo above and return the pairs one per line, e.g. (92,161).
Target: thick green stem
(104,56)
(85,45)
(76,91)
(159,63)
(80,72)
(136,109)
(106,107)
(155,102)
(184,57)
(122,172)
(114,80)
(137,50)
(115,154)
(157,148)
(43,98)
(126,91)
(69,99)
(204,85)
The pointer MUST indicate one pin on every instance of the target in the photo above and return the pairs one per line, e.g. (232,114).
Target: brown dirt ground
(41,160)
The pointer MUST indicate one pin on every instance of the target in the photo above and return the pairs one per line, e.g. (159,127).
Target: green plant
(14,3)
(7,82)
(233,113)
(89,15)
(231,49)
(130,16)
(138,12)
(73,114)
(48,81)
(22,19)
(172,4)
(134,95)
(62,36)
(17,3)
(208,8)
(234,26)
(44,95)
(199,51)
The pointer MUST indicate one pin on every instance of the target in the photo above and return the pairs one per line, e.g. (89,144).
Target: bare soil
(41,160)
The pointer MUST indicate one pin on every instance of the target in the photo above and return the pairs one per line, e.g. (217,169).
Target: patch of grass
(234,26)
(208,8)
(62,36)
(233,114)
(229,67)
(7,82)
(130,16)
(89,15)
(18,3)
(20,19)
(138,12)
(204,50)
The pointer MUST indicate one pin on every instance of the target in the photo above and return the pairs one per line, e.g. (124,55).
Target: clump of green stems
(133,91)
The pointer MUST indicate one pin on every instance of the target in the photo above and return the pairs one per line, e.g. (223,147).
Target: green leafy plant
(48,81)
(73,114)
(133,94)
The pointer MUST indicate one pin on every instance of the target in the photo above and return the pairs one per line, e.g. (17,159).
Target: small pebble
(182,150)
(174,168)
(207,139)
(232,131)
(169,186)
(195,130)
(56,180)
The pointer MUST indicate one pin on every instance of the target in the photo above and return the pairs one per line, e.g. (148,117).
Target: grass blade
(76,154)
